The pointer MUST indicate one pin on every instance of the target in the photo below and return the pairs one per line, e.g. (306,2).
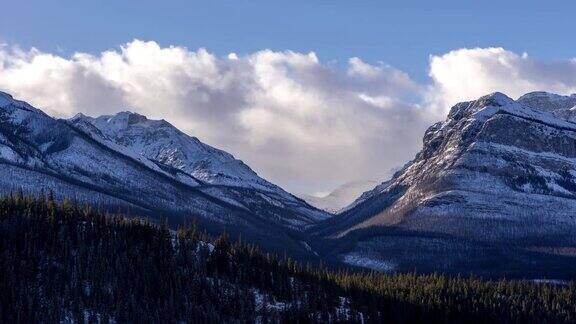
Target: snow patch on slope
(369,262)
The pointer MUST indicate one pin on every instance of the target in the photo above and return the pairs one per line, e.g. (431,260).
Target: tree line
(64,262)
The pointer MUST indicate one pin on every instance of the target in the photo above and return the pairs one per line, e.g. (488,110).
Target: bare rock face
(492,191)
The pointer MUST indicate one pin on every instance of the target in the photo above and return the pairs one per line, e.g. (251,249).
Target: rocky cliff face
(495,180)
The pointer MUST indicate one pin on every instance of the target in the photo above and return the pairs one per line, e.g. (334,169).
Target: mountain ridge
(161,143)
(76,160)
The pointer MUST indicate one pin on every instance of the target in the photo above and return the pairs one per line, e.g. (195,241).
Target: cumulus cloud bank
(467,74)
(305,124)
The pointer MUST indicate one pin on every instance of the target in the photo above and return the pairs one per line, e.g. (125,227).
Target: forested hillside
(61,262)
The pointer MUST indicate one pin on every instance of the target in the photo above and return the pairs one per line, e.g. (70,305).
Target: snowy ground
(368,262)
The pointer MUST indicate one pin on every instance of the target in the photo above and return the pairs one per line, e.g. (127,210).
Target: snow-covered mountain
(126,161)
(340,197)
(158,140)
(196,163)
(492,191)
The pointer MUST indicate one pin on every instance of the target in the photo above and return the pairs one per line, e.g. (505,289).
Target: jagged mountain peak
(126,118)
(7,100)
(5,96)
(496,98)
(558,105)
(544,95)
(165,145)
(160,141)
(486,120)
(120,121)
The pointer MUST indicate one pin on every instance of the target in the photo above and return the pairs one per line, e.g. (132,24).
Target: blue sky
(356,109)
(400,33)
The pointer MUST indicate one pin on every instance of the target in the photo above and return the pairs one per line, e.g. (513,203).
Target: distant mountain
(493,191)
(148,167)
(341,197)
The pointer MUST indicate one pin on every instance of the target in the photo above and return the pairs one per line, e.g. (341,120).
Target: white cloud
(467,74)
(300,122)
